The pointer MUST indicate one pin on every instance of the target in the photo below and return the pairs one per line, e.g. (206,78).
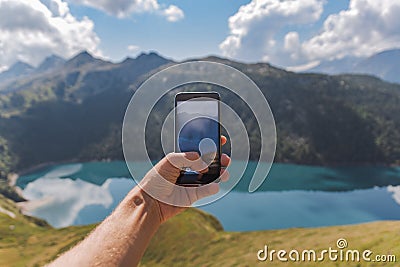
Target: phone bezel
(185,96)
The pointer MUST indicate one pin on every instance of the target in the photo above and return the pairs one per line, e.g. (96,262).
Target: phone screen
(197,129)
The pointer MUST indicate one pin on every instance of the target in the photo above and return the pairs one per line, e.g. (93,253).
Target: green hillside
(27,241)
(193,238)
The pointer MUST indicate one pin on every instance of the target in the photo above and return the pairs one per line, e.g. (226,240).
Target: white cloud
(254,28)
(31,30)
(366,27)
(133,48)
(291,41)
(396,192)
(173,13)
(62,209)
(261,30)
(3,68)
(303,67)
(124,8)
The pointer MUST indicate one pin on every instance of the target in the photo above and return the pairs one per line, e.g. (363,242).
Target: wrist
(137,198)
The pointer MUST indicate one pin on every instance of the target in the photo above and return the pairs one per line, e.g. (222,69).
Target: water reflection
(286,209)
(61,202)
(396,193)
(86,193)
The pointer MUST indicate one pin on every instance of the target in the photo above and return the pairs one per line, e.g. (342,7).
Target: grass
(195,238)
(28,241)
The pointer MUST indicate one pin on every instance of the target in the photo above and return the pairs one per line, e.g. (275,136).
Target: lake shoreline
(297,188)
(44,165)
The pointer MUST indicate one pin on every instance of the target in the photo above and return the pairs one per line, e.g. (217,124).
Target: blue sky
(293,34)
(198,34)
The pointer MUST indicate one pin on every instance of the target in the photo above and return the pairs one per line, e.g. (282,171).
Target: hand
(122,238)
(160,181)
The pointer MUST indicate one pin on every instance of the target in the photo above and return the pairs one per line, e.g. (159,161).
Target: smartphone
(197,128)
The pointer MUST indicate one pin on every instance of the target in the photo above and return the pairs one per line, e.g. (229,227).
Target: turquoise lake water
(292,196)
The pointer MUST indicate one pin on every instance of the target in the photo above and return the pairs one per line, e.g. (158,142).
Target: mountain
(83,59)
(79,77)
(23,70)
(19,69)
(50,63)
(128,70)
(76,113)
(383,65)
(337,66)
(145,62)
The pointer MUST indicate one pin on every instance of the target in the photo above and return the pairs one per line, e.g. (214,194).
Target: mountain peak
(18,69)
(50,62)
(81,59)
(387,55)
(390,52)
(383,65)
(149,55)
(149,59)
(84,55)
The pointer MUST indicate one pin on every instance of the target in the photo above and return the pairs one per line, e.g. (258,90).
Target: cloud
(263,30)
(61,210)
(303,67)
(396,192)
(30,30)
(173,13)
(254,29)
(124,8)
(62,201)
(366,27)
(133,48)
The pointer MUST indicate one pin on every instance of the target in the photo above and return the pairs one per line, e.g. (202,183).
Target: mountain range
(73,110)
(384,65)
(21,69)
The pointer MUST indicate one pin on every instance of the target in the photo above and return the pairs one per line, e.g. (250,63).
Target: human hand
(121,239)
(171,199)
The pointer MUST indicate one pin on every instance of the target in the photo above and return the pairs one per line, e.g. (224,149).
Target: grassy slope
(32,242)
(177,244)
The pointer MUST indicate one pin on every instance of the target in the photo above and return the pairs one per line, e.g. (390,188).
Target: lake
(292,196)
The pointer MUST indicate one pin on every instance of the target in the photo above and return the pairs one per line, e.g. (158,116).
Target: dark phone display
(197,129)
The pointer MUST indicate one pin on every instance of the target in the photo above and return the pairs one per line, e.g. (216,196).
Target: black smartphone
(197,128)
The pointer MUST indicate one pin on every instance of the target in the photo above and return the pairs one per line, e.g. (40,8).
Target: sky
(293,34)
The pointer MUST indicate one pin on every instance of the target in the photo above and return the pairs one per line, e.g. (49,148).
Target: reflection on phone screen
(198,130)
